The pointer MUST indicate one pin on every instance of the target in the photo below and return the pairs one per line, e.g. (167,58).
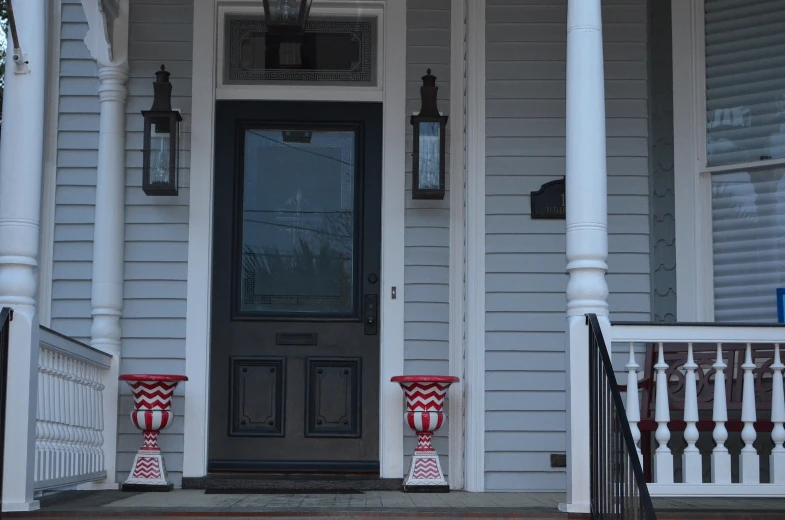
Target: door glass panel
(298,224)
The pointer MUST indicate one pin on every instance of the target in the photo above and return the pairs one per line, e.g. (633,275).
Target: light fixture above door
(286,17)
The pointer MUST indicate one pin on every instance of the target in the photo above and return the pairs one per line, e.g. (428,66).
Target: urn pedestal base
(148,474)
(425,475)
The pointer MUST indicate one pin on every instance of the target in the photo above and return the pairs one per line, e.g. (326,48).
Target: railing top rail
(696,333)
(618,405)
(699,324)
(53,340)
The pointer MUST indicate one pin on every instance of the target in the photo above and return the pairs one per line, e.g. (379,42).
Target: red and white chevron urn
(152,413)
(424,402)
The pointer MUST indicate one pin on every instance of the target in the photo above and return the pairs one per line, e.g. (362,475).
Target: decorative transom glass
(333,51)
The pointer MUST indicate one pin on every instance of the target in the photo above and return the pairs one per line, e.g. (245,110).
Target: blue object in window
(781,305)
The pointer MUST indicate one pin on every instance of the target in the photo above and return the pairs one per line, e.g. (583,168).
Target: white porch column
(587,230)
(109,229)
(108,247)
(21,170)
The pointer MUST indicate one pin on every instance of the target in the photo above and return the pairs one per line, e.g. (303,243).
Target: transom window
(333,51)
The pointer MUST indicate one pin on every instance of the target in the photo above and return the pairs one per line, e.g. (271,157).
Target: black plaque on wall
(548,201)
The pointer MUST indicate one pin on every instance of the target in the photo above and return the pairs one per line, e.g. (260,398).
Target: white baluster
(777,458)
(663,458)
(100,418)
(633,404)
(720,457)
(62,419)
(68,420)
(39,418)
(46,441)
(691,459)
(81,409)
(749,463)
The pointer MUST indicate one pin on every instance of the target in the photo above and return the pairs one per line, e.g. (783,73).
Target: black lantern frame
(277,24)
(429,113)
(161,148)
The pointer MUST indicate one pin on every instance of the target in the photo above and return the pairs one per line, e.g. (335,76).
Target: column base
(9,507)
(425,471)
(149,472)
(575,507)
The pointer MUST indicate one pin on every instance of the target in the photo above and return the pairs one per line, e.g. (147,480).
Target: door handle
(371,314)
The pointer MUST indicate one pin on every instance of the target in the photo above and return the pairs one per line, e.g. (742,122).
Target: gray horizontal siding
(427,233)
(156,228)
(525,259)
(77,156)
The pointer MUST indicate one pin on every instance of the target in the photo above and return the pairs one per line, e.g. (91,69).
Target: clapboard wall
(525,259)
(427,234)
(156,228)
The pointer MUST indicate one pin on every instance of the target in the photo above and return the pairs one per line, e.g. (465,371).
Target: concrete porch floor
(368,504)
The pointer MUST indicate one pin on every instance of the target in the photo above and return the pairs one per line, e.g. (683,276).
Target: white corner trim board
(46,260)
(207,49)
(694,277)
(457,233)
(475,248)
(200,223)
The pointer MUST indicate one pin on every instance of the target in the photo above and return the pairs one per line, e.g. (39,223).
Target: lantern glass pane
(430,155)
(298,222)
(285,12)
(160,156)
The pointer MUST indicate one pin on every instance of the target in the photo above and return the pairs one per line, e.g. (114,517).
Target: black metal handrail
(618,490)
(6,315)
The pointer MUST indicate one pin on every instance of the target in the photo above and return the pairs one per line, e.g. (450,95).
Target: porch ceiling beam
(101,16)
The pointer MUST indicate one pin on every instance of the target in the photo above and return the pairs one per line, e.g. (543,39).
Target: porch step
(290,484)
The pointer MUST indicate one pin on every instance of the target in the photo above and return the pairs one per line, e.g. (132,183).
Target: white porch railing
(706,406)
(70,415)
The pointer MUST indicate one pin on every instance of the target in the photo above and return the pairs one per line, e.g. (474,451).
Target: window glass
(748,213)
(745,81)
(298,224)
(334,51)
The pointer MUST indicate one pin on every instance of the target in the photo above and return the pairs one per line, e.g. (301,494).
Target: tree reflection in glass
(298,223)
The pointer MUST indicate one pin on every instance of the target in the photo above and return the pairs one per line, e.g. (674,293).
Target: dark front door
(294,370)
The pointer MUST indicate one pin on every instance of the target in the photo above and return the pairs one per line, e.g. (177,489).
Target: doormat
(283,491)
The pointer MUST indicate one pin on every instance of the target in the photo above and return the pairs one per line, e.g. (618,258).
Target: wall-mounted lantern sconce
(286,17)
(429,148)
(161,140)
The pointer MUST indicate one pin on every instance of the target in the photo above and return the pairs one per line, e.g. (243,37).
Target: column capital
(113,82)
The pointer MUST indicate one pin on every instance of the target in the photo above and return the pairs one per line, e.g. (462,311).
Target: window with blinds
(745,123)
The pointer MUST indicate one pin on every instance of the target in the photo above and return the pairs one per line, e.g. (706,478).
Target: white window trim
(206,50)
(692,176)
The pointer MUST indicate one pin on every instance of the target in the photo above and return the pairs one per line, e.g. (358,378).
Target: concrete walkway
(368,504)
